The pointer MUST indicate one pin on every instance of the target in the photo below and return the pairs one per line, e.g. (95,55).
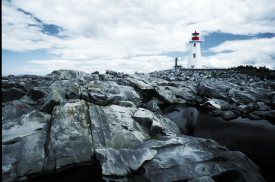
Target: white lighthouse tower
(194,58)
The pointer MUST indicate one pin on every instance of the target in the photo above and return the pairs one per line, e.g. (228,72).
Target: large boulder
(14,109)
(37,92)
(80,76)
(112,93)
(23,146)
(155,123)
(28,100)
(187,158)
(251,95)
(12,94)
(85,94)
(184,93)
(216,104)
(70,138)
(153,106)
(114,127)
(217,90)
(56,94)
(166,94)
(26,125)
(72,88)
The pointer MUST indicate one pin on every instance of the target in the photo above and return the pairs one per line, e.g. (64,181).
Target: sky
(40,36)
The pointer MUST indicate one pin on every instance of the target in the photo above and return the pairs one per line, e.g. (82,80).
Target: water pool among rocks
(255,138)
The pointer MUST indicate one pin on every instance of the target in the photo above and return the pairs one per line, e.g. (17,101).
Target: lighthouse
(194,58)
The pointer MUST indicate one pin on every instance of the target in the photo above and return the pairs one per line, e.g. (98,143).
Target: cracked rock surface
(113,120)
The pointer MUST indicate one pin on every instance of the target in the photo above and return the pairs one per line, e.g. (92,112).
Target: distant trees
(249,67)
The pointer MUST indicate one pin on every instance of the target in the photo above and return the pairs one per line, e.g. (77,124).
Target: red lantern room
(195,36)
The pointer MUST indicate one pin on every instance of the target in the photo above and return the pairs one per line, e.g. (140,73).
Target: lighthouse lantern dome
(195,36)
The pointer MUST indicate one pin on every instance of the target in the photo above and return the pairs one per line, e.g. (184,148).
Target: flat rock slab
(122,162)
(14,109)
(114,127)
(23,145)
(27,125)
(113,93)
(192,158)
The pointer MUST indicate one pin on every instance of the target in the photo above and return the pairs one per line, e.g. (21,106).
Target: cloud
(257,52)
(140,64)
(127,31)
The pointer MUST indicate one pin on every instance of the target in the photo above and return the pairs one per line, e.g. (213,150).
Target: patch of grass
(93,86)
(156,137)
(102,103)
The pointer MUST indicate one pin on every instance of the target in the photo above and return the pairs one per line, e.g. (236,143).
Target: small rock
(126,103)
(215,113)
(254,117)
(229,115)
(153,106)
(96,72)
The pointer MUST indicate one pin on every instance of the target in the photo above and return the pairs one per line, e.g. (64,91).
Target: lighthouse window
(194,44)
(194,55)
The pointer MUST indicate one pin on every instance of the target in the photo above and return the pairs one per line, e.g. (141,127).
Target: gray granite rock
(36,93)
(56,94)
(229,115)
(111,72)
(12,94)
(215,113)
(126,104)
(266,114)
(28,100)
(254,117)
(153,106)
(112,93)
(217,90)
(114,127)
(217,104)
(14,109)
(166,94)
(122,162)
(125,139)
(70,137)
(23,145)
(195,157)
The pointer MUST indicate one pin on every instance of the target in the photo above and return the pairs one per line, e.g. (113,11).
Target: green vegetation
(250,67)
(156,137)
(102,103)
(93,86)
(268,75)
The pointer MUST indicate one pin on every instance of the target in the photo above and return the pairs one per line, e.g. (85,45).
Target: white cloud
(257,52)
(102,30)
(140,64)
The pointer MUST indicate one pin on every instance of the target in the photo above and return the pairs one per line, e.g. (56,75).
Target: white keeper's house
(194,58)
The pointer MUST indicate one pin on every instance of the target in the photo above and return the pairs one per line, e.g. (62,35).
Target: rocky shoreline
(72,118)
